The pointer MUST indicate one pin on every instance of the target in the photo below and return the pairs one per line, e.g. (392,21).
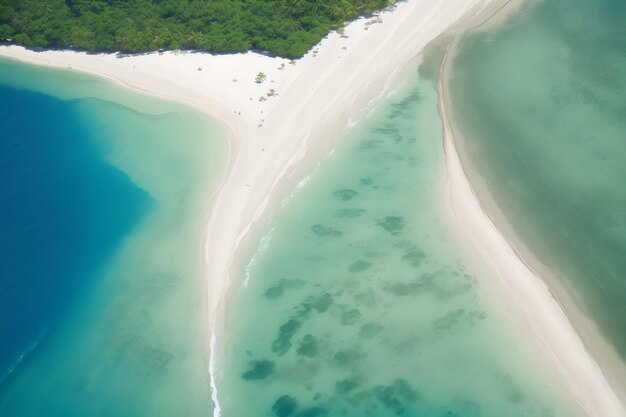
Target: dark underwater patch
(445,285)
(273,293)
(407,345)
(385,130)
(404,390)
(349,213)
(397,138)
(286,332)
(371,143)
(312,412)
(154,360)
(369,330)
(346,385)
(399,108)
(366,299)
(366,181)
(346,358)
(322,303)
(325,231)
(349,317)
(512,390)
(392,224)
(345,194)
(303,310)
(359,266)
(285,406)
(448,321)
(401,289)
(308,346)
(277,290)
(259,370)
(403,105)
(414,257)
(395,395)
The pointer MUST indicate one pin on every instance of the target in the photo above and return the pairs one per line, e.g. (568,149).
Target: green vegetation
(260,77)
(286,28)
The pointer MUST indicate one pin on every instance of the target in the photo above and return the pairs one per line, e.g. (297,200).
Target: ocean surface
(541,104)
(103,197)
(359,300)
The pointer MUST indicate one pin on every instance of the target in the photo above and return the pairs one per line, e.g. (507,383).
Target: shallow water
(107,192)
(360,301)
(541,102)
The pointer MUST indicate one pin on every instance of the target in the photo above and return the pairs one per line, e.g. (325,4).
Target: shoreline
(542,310)
(270,137)
(271,140)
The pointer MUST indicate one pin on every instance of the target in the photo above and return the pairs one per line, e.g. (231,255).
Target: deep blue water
(63,211)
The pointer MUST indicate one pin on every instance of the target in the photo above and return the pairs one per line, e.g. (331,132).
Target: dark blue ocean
(63,212)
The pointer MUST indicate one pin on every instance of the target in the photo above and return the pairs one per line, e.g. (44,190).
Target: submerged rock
(359,266)
(395,395)
(312,412)
(323,302)
(392,224)
(282,343)
(308,346)
(285,406)
(401,289)
(259,370)
(277,290)
(448,321)
(324,231)
(349,213)
(369,330)
(273,293)
(414,257)
(349,317)
(345,194)
(348,357)
(346,385)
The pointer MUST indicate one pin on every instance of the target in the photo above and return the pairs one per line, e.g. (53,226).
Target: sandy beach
(282,124)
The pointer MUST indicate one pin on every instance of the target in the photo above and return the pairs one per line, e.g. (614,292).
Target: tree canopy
(286,28)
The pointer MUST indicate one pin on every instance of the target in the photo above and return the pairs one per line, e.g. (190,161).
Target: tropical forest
(286,28)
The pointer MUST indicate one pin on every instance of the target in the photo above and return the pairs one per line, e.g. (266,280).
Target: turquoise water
(541,102)
(55,187)
(361,302)
(104,194)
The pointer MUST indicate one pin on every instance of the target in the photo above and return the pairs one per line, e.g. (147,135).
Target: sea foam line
(264,243)
(217,409)
(19,360)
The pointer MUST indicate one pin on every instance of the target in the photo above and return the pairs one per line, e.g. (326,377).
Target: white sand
(315,98)
(528,291)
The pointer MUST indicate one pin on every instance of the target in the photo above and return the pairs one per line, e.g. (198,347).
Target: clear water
(104,196)
(541,102)
(361,302)
(54,187)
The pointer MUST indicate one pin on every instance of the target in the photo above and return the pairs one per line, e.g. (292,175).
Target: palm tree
(192,40)
(260,77)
